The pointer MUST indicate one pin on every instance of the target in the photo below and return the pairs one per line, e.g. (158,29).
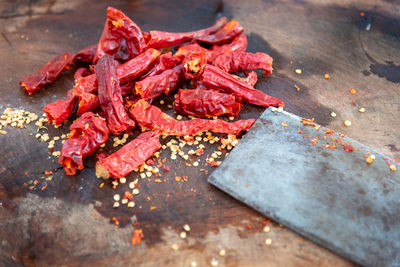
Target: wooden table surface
(70,222)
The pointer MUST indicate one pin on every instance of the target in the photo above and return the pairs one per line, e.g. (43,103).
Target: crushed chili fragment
(137,237)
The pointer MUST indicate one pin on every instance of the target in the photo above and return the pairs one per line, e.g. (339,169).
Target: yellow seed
(116,205)
(268,241)
(183,235)
(186,227)
(284,124)
(393,167)
(117,197)
(195,164)
(222,252)
(124,201)
(361,110)
(175,246)
(122,180)
(347,123)
(333,114)
(298,71)
(266,229)
(370,159)
(131,204)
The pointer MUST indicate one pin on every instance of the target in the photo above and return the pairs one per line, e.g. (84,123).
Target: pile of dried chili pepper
(128,68)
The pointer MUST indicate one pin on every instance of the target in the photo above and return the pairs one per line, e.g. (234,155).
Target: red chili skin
(110,96)
(153,118)
(47,74)
(184,51)
(57,112)
(86,54)
(129,157)
(161,39)
(81,72)
(195,63)
(214,77)
(241,61)
(164,62)
(135,67)
(223,35)
(163,83)
(119,26)
(250,79)
(87,134)
(200,102)
(130,31)
(87,102)
(239,44)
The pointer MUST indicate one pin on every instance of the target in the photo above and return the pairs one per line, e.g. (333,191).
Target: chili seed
(266,229)
(361,110)
(298,71)
(268,241)
(333,114)
(183,235)
(117,197)
(186,227)
(393,167)
(347,123)
(222,252)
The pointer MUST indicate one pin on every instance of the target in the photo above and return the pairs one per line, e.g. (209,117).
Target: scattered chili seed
(298,71)
(186,227)
(266,229)
(361,110)
(268,241)
(370,159)
(297,88)
(347,123)
(175,246)
(333,114)
(183,235)
(393,167)
(222,252)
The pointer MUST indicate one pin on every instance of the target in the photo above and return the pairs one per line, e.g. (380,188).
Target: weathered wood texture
(56,226)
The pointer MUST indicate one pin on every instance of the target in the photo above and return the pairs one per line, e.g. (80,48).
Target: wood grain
(57,226)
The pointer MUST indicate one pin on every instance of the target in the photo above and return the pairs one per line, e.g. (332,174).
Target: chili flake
(327,76)
(352,91)
(370,159)
(137,237)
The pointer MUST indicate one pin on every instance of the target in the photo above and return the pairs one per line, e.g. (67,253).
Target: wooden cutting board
(70,222)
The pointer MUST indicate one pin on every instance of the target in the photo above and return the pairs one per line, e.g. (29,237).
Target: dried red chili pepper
(163,83)
(153,118)
(119,26)
(239,44)
(195,63)
(250,79)
(224,35)
(57,112)
(129,157)
(110,96)
(184,50)
(129,30)
(135,67)
(86,54)
(164,62)
(130,70)
(87,102)
(47,74)
(240,61)
(214,77)
(160,39)
(81,72)
(87,134)
(200,102)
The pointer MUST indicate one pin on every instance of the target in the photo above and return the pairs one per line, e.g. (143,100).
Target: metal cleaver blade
(329,195)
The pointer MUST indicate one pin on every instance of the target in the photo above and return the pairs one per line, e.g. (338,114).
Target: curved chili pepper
(240,61)
(160,39)
(223,35)
(164,62)
(46,74)
(119,26)
(87,134)
(239,44)
(214,77)
(163,83)
(86,54)
(250,79)
(207,103)
(153,118)
(129,157)
(57,112)
(135,67)
(110,97)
